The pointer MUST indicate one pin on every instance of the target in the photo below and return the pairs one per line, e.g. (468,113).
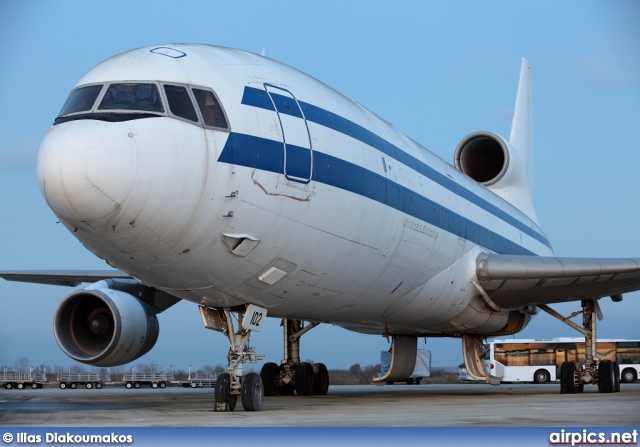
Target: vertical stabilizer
(521,138)
(505,167)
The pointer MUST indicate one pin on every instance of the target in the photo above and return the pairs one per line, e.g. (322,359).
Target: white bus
(539,361)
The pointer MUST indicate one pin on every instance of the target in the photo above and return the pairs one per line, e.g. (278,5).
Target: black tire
(606,381)
(20,386)
(162,384)
(628,375)
(129,385)
(567,378)
(252,392)
(88,385)
(137,385)
(98,386)
(616,377)
(8,386)
(418,380)
(303,379)
(154,385)
(223,401)
(541,376)
(34,386)
(63,386)
(270,375)
(320,380)
(73,386)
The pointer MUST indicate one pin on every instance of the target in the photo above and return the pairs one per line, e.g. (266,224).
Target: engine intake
(483,156)
(105,327)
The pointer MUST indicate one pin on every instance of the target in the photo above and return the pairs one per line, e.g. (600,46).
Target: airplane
(253,190)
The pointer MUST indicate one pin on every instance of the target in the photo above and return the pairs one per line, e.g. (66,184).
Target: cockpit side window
(210,108)
(81,100)
(180,103)
(143,97)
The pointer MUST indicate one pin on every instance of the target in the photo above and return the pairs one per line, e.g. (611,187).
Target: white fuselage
(358,225)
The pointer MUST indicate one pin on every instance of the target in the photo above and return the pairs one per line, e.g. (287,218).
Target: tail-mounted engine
(102,326)
(483,156)
(493,162)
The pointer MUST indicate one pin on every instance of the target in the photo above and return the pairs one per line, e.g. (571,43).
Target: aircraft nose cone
(87,168)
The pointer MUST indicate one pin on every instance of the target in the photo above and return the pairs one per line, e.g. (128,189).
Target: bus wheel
(628,375)
(541,376)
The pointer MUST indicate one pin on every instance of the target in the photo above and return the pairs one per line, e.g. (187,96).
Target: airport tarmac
(427,405)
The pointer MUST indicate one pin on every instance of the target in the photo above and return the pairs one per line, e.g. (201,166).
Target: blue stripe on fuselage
(259,98)
(267,155)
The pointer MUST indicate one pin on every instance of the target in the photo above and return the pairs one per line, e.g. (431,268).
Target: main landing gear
(292,375)
(574,374)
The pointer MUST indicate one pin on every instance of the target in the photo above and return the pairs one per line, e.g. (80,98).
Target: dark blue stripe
(259,98)
(267,155)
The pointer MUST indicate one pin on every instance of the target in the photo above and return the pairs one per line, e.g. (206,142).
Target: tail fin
(506,168)
(521,138)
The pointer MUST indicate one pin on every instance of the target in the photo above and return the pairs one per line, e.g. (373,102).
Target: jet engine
(493,162)
(101,326)
(483,156)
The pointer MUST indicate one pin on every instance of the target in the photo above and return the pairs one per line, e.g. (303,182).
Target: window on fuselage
(142,97)
(81,100)
(210,108)
(180,103)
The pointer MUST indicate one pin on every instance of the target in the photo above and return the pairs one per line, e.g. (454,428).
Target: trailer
(22,380)
(87,380)
(198,379)
(154,380)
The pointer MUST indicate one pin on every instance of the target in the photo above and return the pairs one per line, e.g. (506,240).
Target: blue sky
(436,70)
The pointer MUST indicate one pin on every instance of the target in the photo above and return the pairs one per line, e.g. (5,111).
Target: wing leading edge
(513,281)
(71,278)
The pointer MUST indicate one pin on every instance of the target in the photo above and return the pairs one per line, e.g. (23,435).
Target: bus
(539,361)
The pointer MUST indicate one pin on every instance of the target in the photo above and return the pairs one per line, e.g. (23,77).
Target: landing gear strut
(574,374)
(233,383)
(292,375)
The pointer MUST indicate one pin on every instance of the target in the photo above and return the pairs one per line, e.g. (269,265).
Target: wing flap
(513,281)
(71,278)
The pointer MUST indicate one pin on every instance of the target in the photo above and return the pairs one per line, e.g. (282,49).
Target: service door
(296,140)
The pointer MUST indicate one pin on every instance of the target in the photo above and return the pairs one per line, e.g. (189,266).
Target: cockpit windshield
(129,100)
(143,97)
(81,100)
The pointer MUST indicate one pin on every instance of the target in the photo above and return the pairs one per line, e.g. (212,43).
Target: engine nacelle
(100,326)
(491,161)
(483,156)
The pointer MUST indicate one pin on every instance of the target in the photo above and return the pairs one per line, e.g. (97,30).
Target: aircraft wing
(71,278)
(513,281)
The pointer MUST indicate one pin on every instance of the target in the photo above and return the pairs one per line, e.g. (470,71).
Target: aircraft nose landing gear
(233,383)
